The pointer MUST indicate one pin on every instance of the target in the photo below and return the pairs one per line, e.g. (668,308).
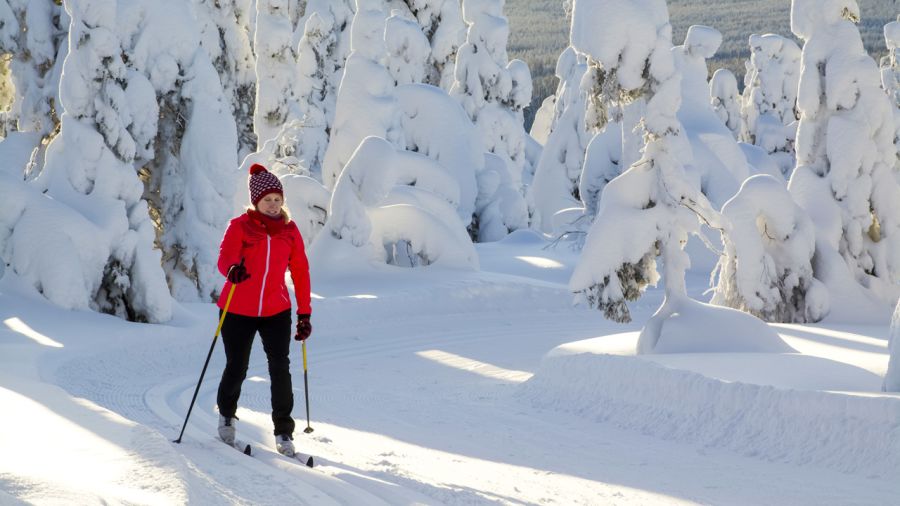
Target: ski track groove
(110,379)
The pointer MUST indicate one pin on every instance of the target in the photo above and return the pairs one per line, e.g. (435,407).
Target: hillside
(539,31)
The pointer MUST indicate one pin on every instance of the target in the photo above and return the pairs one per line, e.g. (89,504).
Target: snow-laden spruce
(224,35)
(716,157)
(396,207)
(767,266)
(725,99)
(640,214)
(556,176)
(435,125)
(892,376)
(890,64)
(366,104)
(846,157)
(890,72)
(493,90)
(275,61)
(441,24)
(104,257)
(321,54)
(652,207)
(769,103)
(407,48)
(34,36)
(602,163)
(189,162)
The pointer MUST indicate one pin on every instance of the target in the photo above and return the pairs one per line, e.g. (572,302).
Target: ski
(242,447)
(305,459)
(246,449)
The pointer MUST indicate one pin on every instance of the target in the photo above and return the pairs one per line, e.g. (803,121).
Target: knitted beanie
(262,183)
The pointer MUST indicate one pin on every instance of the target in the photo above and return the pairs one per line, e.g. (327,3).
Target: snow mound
(698,327)
(850,433)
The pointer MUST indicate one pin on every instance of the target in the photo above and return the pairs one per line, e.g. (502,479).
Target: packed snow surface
(446,386)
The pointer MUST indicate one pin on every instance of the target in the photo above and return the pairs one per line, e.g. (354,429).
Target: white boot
(226,429)
(284,445)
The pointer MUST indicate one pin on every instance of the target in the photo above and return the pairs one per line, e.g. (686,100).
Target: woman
(258,247)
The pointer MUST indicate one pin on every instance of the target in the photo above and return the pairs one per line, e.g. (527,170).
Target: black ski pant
(237,336)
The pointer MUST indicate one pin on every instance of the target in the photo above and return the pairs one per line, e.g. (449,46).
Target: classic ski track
(163,405)
(170,400)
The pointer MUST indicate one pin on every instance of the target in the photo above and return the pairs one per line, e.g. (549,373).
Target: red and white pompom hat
(262,183)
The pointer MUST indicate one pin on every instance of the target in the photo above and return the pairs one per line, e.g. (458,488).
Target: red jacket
(268,248)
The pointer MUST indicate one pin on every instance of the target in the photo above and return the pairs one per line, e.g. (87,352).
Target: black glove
(304,328)
(237,273)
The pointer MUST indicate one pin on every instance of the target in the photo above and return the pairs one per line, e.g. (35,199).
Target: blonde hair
(285,212)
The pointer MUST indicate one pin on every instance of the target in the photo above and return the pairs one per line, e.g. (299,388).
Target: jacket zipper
(262,290)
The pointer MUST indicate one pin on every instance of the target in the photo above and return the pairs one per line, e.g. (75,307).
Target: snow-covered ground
(432,386)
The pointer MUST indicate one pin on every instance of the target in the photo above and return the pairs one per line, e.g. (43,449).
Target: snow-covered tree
(890,64)
(846,157)
(189,169)
(650,208)
(555,185)
(769,103)
(441,23)
(767,266)
(396,207)
(308,202)
(275,61)
(493,90)
(602,163)
(366,104)
(725,100)
(892,376)
(890,73)
(321,55)
(434,125)
(407,48)
(33,40)
(108,124)
(224,35)
(716,158)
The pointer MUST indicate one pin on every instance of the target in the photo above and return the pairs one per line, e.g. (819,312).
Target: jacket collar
(272,225)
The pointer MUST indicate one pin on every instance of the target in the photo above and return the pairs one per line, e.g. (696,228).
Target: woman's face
(270,205)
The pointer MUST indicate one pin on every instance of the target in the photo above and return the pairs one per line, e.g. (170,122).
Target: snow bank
(684,325)
(850,433)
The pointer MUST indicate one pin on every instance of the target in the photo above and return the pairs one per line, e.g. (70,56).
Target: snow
(846,157)
(369,220)
(767,266)
(725,99)
(769,107)
(440,387)
(449,364)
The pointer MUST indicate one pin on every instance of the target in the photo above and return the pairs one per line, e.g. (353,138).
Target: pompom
(256,168)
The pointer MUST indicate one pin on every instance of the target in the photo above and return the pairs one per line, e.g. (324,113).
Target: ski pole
(308,428)
(208,356)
